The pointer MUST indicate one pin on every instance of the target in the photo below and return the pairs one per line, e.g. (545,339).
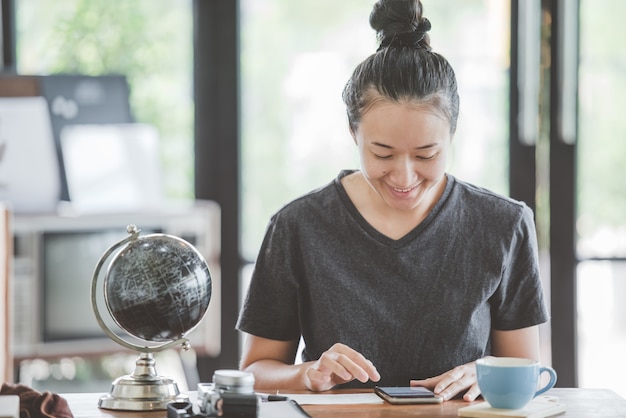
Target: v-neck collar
(376,234)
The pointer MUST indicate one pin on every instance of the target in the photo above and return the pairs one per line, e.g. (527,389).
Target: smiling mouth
(395,189)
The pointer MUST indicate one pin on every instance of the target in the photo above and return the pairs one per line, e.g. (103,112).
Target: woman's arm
(271,362)
(522,342)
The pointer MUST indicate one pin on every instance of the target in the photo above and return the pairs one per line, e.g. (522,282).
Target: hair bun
(424,26)
(399,23)
(409,39)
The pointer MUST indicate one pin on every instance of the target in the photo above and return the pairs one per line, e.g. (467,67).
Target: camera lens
(234,381)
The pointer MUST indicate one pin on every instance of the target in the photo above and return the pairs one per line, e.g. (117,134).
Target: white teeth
(402,190)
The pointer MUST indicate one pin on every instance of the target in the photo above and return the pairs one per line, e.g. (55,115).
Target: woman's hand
(523,342)
(340,364)
(450,383)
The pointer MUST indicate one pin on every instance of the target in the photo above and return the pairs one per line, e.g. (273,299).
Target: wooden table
(579,403)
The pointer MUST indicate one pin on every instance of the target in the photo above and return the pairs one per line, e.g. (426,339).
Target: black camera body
(216,401)
(230,395)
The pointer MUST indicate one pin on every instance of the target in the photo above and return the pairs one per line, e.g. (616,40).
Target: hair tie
(407,39)
(423,26)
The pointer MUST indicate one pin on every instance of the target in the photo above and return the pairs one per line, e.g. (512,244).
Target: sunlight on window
(94,37)
(294,129)
(601,209)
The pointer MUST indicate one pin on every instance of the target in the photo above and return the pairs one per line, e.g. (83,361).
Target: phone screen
(406,394)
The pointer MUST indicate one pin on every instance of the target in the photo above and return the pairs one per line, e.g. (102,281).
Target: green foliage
(149,41)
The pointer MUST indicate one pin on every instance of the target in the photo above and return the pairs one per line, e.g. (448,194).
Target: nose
(403,174)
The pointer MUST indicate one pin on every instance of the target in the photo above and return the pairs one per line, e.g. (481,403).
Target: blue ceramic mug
(510,383)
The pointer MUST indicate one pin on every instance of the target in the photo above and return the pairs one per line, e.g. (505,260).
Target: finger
(329,367)
(427,383)
(363,369)
(318,381)
(448,379)
(472,393)
(466,380)
(347,368)
(372,371)
(354,362)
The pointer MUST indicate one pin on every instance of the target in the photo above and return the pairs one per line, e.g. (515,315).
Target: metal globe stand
(144,390)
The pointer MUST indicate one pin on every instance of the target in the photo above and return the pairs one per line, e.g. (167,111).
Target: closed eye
(383,157)
(425,158)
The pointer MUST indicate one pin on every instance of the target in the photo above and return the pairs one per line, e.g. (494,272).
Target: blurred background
(246,99)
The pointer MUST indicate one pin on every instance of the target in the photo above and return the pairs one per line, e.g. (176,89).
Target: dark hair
(404,68)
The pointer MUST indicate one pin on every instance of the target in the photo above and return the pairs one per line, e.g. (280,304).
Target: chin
(409,202)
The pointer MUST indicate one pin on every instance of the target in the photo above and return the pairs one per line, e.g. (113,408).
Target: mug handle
(550,384)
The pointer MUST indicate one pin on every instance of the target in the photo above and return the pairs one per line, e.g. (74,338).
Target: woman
(397,273)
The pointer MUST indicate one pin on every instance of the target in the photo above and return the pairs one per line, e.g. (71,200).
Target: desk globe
(157,288)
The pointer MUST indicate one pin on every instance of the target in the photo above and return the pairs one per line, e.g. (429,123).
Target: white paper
(334,399)
(112,167)
(29,169)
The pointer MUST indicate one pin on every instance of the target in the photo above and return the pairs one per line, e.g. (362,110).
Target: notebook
(29,171)
(112,167)
(282,409)
(75,99)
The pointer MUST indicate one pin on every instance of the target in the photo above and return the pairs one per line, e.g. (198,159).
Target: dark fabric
(34,404)
(417,306)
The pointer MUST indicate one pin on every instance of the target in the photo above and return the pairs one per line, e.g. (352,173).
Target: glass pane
(601,223)
(295,59)
(601,149)
(149,41)
(602,324)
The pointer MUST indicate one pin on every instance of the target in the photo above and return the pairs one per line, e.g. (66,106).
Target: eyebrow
(434,144)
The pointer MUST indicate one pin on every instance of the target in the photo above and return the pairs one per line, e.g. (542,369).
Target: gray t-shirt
(417,306)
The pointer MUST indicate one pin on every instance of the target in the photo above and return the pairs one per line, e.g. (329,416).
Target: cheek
(435,170)
(374,167)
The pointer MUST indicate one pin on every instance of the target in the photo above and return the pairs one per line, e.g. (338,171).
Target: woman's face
(403,149)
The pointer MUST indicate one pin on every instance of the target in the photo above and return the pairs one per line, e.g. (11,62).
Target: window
(296,58)
(149,41)
(601,217)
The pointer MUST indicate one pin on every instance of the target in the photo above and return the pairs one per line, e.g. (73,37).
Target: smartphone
(407,395)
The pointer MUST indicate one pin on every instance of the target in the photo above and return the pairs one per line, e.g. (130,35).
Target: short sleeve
(270,309)
(519,300)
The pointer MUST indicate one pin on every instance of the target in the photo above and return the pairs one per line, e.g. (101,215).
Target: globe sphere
(157,288)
